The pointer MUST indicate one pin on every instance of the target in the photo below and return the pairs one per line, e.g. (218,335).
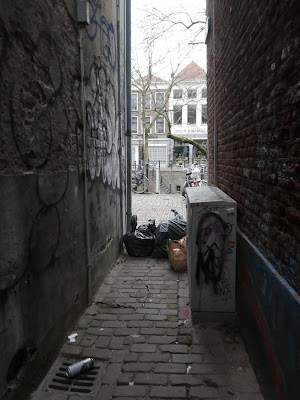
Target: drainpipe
(128,122)
(120,122)
(215,118)
(86,215)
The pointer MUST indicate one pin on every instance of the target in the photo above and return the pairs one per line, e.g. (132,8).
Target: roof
(191,71)
(154,79)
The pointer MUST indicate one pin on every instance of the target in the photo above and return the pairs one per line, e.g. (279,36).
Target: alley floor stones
(139,332)
(157,206)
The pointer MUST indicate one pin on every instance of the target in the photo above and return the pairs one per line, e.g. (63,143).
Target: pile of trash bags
(151,240)
(140,242)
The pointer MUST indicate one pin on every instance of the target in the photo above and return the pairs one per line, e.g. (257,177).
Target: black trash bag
(170,229)
(140,242)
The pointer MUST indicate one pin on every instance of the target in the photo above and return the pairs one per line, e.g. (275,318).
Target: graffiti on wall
(40,121)
(102,127)
(39,127)
(248,291)
(45,232)
(211,241)
(100,28)
(37,112)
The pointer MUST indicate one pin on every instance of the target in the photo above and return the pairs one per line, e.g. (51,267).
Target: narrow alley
(76,119)
(139,332)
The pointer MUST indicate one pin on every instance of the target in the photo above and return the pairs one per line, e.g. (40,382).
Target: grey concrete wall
(174,177)
(270,314)
(169,176)
(47,235)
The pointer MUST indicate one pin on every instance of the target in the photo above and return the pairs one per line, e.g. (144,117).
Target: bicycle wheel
(139,185)
(183,192)
(203,183)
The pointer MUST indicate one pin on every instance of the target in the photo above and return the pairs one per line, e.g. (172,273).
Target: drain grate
(85,384)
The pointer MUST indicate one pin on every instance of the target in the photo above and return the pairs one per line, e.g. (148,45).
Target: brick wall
(257,97)
(254,156)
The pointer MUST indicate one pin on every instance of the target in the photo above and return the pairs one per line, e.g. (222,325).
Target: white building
(187,112)
(188,109)
(158,143)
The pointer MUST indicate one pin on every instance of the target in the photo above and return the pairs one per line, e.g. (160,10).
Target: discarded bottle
(79,367)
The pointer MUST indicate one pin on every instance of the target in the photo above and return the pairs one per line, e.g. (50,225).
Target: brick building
(254,148)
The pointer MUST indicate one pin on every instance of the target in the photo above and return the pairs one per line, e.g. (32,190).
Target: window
(191,120)
(147,122)
(192,93)
(133,155)
(159,99)
(160,128)
(134,124)
(158,154)
(204,93)
(177,93)
(204,114)
(148,101)
(134,101)
(177,115)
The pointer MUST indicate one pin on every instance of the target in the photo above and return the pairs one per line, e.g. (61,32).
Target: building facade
(185,97)
(158,143)
(188,110)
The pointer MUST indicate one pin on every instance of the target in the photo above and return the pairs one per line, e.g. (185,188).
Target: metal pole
(128,113)
(86,213)
(157,179)
(147,174)
(215,102)
(122,185)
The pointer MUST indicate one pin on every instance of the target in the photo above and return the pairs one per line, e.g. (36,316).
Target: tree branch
(186,140)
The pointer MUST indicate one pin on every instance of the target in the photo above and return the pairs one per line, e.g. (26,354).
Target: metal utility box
(211,255)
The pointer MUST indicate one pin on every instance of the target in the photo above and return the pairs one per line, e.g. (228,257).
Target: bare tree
(169,21)
(182,139)
(156,26)
(145,86)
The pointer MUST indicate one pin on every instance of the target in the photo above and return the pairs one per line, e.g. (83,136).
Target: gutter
(86,218)
(215,118)
(128,113)
(122,189)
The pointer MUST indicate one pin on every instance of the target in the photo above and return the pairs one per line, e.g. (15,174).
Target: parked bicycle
(192,181)
(139,182)
(189,182)
(198,174)
(201,182)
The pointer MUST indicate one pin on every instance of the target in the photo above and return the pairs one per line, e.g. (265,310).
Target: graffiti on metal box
(230,247)
(224,287)
(212,233)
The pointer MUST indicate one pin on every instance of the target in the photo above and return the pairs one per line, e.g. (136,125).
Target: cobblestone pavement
(139,332)
(157,206)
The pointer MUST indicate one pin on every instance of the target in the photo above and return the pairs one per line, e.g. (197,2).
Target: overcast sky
(173,45)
